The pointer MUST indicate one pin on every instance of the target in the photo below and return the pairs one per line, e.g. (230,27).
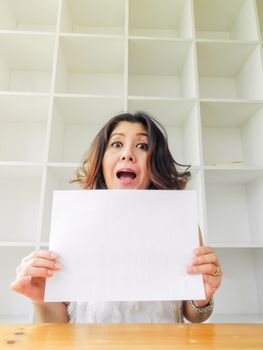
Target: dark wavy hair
(163,169)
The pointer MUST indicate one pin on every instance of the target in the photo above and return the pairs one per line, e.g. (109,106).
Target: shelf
(93,17)
(28,15)
(82,67)
(58,178)
(76,121)
(26,62)
(236,318)
(19,202)
(240,294)
(228,20)
(260,16)
(17,244)
(15,318)
(234,203)
(161,68)
(23,121)
(226,70)
(163,18)
(13,306)
(239,125)
(180,121)
(236,245)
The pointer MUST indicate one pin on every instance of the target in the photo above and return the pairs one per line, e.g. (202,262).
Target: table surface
(131,336)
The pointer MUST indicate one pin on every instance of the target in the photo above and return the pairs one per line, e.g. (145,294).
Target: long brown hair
(163,169)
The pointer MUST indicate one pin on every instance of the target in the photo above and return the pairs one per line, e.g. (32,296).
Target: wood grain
(131,336)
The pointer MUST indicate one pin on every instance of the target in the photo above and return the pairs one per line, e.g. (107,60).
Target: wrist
(208,307)
(201,303)
(38,302)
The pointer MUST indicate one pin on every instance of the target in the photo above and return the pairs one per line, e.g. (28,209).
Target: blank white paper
(124,245)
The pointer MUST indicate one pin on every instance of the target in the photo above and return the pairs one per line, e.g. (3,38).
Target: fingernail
(57,266)
(189,269)
(53,255)
(50,272)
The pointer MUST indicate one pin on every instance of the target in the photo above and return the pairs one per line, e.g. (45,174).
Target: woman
(129,152)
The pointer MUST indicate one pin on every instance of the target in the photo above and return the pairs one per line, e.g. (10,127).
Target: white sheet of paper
(124,245)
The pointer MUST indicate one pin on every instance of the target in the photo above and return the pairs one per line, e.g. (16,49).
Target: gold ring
(216,273)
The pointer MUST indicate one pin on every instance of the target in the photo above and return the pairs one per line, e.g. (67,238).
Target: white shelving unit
(28,15)
(169,19)
(75,121)
(66,66)
(93,17)
(161,68)
(224,69)
(26,62)
(239,125)
(225,20)
(83,69)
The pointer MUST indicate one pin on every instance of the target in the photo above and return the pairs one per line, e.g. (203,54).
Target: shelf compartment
(82,67)
(161,68)
(26,62)
(179,117)
(93,17)
(225,20)
(231,132)
(240,294)
(226,71)
(23,121)
(13,306)
(58,178)
(76,121)
(234,201)
(163,18)
(28,15)
(19,202)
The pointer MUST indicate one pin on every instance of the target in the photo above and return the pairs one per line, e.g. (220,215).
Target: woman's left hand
(206,262)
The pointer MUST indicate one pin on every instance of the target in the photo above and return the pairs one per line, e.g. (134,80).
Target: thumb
(19,284)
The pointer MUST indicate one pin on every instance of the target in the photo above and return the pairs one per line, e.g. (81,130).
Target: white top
(126,312)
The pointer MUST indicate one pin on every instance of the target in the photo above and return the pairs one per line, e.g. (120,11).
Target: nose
(127,155)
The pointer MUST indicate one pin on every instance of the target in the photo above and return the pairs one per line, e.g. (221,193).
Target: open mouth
(126,175)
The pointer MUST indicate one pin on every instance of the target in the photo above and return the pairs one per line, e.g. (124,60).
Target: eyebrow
(121,134)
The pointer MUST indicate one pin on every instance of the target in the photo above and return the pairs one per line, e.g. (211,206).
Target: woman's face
(124,164)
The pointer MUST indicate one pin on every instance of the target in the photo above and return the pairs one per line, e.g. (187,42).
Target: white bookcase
(66,66)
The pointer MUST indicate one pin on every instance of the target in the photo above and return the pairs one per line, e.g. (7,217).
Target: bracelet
(202,309)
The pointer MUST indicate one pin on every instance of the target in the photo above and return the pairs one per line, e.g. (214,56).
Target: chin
(127,187)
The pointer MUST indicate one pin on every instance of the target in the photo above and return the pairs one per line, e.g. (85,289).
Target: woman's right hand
(31,274)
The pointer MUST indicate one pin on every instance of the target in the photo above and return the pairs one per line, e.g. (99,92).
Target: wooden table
(131,336)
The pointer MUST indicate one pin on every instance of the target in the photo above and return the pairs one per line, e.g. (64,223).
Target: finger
(46,254)
(35,272)
(209,269)
(203,250)
(24,268)
(209,258)
(212,281)
(41,262)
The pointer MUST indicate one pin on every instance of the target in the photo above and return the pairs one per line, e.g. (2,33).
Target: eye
(143,146)
(116,144)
